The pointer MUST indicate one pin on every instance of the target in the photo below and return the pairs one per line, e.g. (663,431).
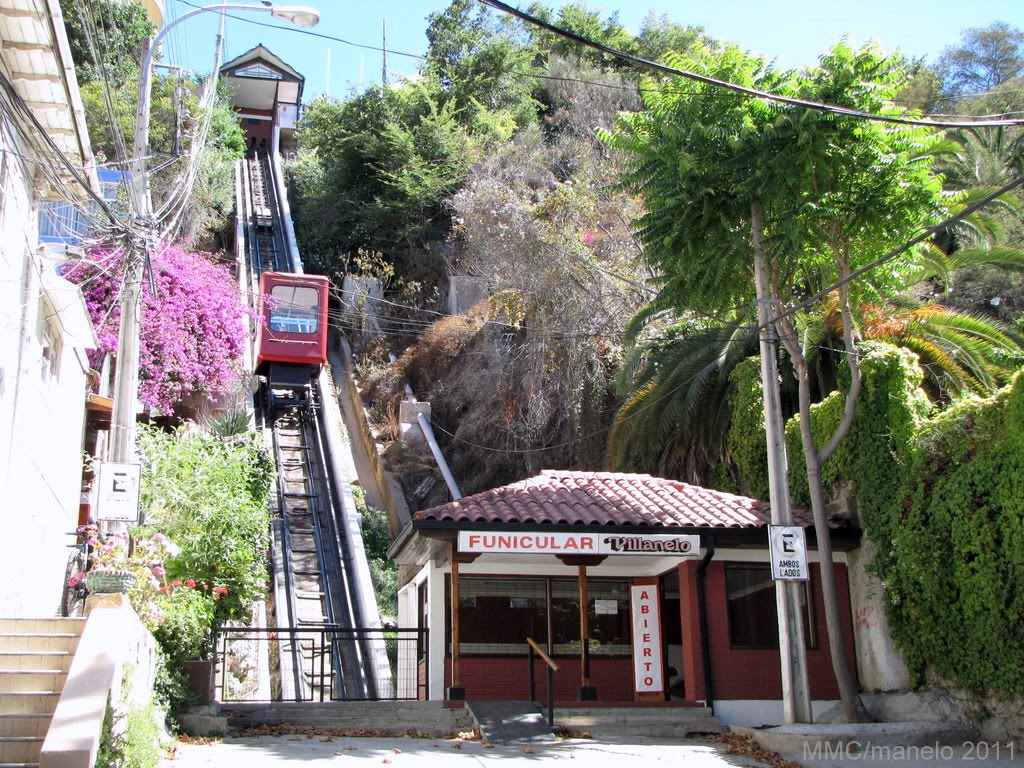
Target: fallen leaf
(747,746)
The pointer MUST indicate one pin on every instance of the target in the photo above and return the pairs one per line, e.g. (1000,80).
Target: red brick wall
(507,678)
(756,673)
(736,673)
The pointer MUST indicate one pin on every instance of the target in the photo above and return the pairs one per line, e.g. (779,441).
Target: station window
(753,620)
(497,615)
(294,309)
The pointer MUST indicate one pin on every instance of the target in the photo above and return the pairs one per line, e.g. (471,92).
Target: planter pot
(101,581)
(199,675)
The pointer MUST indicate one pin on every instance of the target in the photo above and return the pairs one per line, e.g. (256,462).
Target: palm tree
(677,379)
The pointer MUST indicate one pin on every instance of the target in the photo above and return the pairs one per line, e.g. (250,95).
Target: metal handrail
(552,667)
(411,638)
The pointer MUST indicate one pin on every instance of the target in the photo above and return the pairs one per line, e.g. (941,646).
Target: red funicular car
(291,341)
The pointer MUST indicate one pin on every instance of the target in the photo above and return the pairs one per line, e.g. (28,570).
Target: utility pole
(384,49)
(126,384)
(796,696)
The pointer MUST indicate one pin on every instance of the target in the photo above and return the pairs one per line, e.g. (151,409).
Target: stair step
(53,661)
(28,702)
(32,641)
(42,626)
(19,749)
(24,725)
(15,680)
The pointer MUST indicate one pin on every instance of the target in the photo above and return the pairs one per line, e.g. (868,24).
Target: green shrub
(184,626)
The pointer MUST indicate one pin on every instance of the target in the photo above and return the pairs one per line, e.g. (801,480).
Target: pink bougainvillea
(192,336)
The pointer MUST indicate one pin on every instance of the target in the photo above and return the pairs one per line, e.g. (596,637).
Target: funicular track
(319,661)
(319,651)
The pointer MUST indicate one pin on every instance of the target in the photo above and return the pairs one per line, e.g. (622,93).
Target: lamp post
(126,384)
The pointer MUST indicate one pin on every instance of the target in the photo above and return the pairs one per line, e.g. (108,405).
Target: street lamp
(126,384)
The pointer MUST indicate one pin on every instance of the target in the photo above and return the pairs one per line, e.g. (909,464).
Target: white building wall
(42,405)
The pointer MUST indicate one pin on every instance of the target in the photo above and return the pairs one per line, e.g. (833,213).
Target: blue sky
(795,32)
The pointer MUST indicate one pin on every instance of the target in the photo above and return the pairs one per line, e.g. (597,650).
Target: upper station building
(267,93)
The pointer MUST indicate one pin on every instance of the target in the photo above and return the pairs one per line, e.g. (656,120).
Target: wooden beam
(585,560)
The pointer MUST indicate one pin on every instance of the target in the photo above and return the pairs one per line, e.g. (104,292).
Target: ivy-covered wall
(956,570)
(941,497)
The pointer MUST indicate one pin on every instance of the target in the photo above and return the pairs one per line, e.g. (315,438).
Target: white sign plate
(606,607)
(514,543)
(117,494)
(647,675)
(789,552)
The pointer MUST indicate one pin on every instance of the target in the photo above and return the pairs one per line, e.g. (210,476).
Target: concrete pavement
(320,751)
(316,752)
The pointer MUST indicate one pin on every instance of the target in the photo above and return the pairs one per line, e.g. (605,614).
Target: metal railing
(536,650)
(247,653)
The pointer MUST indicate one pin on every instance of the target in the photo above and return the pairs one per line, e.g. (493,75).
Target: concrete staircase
(427,718)
(35,655)
(614,723)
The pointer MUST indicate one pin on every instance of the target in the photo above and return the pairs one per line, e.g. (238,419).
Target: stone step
(42,626)
(649,730)
(632,714)
(54,661)
(28,702)
(673,722)
(31,641)
(24,725)
(18,749)
(397,717)
(16,680)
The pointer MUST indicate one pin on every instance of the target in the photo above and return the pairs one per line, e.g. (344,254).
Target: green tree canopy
(986,58)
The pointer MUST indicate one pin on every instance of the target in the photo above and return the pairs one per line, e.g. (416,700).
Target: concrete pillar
(438,639)
(408,421)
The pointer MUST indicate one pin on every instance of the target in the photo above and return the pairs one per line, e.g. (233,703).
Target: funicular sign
(509,543)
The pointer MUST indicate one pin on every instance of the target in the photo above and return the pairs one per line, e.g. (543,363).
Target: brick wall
(737,673)
(507,678)
(741,673)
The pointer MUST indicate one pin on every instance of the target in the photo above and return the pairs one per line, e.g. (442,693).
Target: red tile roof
(605,498)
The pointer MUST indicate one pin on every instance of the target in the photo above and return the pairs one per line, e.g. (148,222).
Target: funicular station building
(267,94)
(641,589)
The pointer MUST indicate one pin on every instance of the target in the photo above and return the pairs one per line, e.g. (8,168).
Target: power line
(929,232)
(299,31)
(806,103)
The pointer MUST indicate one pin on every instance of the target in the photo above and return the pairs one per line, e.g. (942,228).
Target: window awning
(69,309)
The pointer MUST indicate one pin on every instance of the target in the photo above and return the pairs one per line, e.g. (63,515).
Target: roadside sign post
(117,493)
(788,546)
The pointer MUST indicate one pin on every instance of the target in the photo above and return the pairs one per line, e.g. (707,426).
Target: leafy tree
(193,340)
(212,201)
(987,58)
(482,63)
(659,36)
(106,38)
(730,180)
(375,172)
(584,22)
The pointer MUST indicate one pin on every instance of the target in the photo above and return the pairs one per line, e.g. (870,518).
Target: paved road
(316,752)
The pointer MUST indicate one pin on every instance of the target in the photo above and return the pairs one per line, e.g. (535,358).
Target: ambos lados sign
(579,544)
